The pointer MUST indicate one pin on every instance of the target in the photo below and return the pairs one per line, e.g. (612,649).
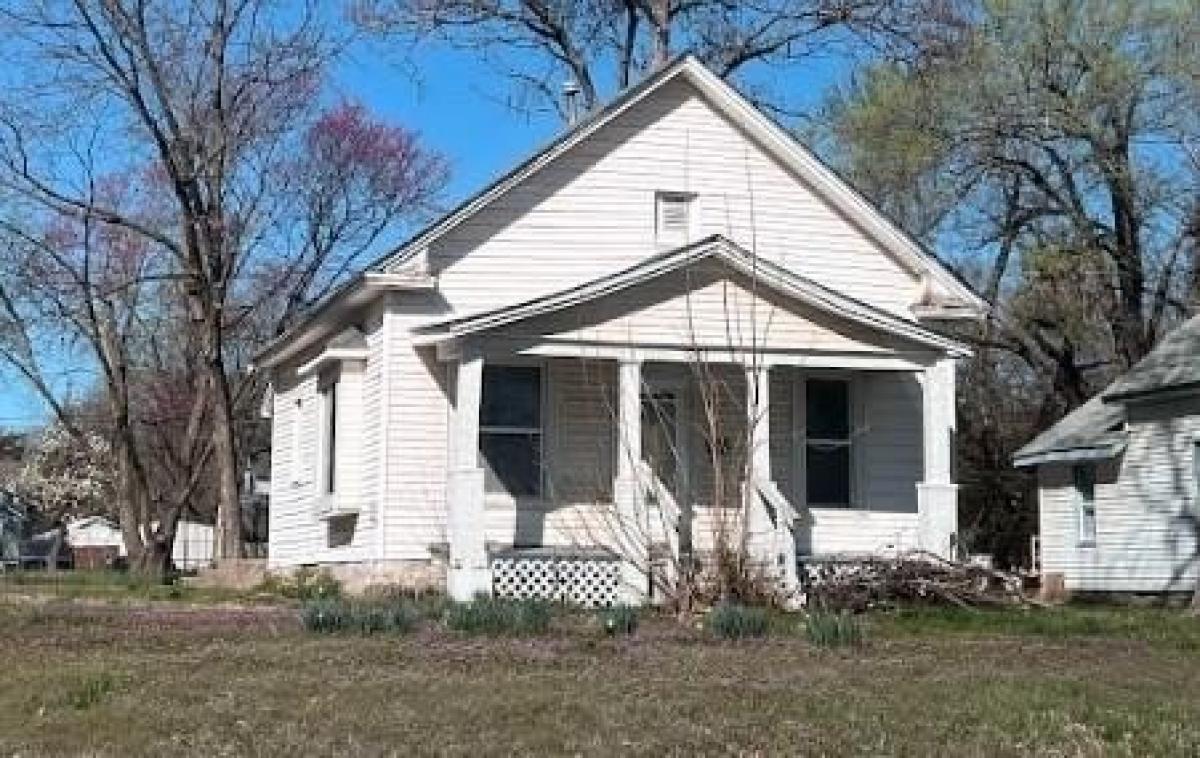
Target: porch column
(937,494)
(758,422)
(631,529)
(469,573)
(768,515)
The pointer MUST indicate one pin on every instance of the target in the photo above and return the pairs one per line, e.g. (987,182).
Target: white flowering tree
(66,475)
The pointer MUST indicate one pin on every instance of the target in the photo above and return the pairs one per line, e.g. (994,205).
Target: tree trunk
(661,18)
(229,512)
(133,512)
(154,562)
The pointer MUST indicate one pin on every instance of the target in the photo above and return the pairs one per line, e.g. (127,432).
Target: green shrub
(485,615)
(304,584)
(337,615)
(834,629)
(732,621)
(325,616)
(620,619)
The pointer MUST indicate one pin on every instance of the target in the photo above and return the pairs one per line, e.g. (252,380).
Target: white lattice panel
(586,581)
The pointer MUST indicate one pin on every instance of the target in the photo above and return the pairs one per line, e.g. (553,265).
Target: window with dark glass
(827,442)
(329,459)
(1085,493)
(510,429)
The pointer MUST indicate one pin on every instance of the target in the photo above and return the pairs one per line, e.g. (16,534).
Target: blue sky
(460,106)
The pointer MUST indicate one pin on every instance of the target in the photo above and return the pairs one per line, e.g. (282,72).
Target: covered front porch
(657,462)
(643,420)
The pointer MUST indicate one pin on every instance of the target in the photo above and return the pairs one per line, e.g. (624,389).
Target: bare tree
(214,106)
(98,285)
(540,44)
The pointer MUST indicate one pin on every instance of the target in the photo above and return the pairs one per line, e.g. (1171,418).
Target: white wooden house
(520,399)
(1119,478)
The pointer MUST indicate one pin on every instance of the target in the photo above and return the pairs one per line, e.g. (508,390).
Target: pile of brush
(916,578)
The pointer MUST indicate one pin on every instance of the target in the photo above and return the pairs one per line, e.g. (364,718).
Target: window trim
(1084,504)
(802,440)
(504,497)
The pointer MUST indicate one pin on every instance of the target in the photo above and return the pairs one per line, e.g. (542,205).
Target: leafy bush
(304,584)
(485,615)
(732,621)
(834,629)
(620,619)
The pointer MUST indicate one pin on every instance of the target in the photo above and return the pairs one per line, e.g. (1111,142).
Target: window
(328,390)
(673,212)
(827,442)
(299,470)
(510,429)
(1196,474)
(1085,495)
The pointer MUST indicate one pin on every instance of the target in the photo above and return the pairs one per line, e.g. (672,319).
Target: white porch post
(469,573)
(632,529)
(937,495)
(769,535)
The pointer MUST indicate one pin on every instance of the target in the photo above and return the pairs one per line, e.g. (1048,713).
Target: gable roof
(1174,364)
(777,142)
(772,275)
(1095,429)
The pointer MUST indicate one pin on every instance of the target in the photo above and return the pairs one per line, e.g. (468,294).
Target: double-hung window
(827,442)
(510,429)
(329,392)
(1085,498)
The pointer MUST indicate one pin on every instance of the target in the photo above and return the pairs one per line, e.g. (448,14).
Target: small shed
(95,542)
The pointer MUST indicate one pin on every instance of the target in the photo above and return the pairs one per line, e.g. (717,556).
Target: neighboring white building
(1118,478)
(193,546)
(95,531)
(527,386)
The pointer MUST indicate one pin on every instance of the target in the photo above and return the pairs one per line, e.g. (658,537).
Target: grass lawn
(194,679)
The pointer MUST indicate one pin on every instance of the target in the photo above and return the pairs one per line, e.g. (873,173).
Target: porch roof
(783,281)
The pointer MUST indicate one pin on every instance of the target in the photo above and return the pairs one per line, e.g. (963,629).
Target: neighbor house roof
(777,141)
(1174,364)
(1096,428)
(771,275)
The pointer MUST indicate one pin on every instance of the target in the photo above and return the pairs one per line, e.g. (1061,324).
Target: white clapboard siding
(705,305)
(298,535)
(1145,541)
(890,437)
(414,480)
(592,211)
(847,531)
(295,535)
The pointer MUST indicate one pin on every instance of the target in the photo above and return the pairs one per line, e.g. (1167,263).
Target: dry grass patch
(251,682)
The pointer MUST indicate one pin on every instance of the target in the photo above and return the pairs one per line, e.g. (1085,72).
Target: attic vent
(674,215)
